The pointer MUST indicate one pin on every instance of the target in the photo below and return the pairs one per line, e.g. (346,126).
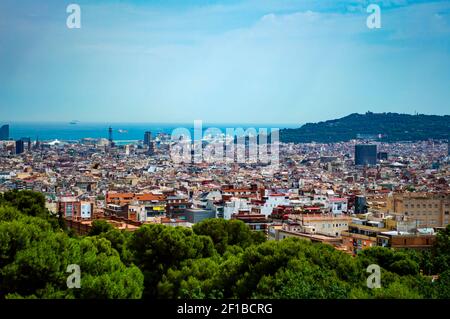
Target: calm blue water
(131,131)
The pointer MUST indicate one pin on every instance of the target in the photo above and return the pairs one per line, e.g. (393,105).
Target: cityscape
(354,196)
(224,151)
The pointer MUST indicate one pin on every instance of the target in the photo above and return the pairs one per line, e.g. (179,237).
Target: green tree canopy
(100,226)
(441,251)
(156,248)
(34,259)
(226,233)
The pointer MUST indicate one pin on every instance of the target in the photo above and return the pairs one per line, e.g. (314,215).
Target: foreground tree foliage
(30,204)
(216,259)
(228,233)
(34,259)
(99,227)
(156,248)
(441,251)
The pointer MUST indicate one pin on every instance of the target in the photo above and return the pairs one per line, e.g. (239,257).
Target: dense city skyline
(234,61)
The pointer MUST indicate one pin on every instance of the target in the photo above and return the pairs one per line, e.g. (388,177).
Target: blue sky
(250,61)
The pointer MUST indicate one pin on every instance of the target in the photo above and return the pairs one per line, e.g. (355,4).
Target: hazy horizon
(3,122)
(121,131)
(290,124)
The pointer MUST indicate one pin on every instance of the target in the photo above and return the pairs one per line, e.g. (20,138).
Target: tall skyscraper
(20,146)
(151,148)
(365,154)
(38,144)
(4,133)
(110,136)
(382,156)
(149,143)
(147,138)
(360,205)
(28,141)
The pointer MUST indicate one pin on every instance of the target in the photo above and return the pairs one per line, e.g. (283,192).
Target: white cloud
(224,63)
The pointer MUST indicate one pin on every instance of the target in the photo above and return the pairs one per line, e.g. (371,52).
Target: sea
(123,133)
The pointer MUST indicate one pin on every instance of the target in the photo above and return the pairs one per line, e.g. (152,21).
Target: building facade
(4,133)
(425,209)
(20,147)
(365,154)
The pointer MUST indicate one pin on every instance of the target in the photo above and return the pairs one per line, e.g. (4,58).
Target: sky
(246,61)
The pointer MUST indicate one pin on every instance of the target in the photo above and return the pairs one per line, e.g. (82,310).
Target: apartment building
(338,205)
(296,230)
(325,224)
(154,204)
(362,234)
(253,191)
(272,201)
(253,218)
(426,209)
(177,206)
(75,209)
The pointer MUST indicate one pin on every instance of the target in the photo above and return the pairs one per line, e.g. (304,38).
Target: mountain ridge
(389,127)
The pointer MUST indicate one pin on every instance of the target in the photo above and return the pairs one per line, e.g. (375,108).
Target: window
(69,210)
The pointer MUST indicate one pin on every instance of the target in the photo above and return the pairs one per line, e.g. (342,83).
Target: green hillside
(392,127)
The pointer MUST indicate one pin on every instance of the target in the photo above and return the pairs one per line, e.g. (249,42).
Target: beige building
(426,209)
(377,202)
(280,232)
(329,225)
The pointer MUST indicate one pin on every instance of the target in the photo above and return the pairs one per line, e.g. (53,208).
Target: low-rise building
(196,215)
(427,209)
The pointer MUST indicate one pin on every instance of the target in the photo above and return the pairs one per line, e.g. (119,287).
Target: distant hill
(390,127)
